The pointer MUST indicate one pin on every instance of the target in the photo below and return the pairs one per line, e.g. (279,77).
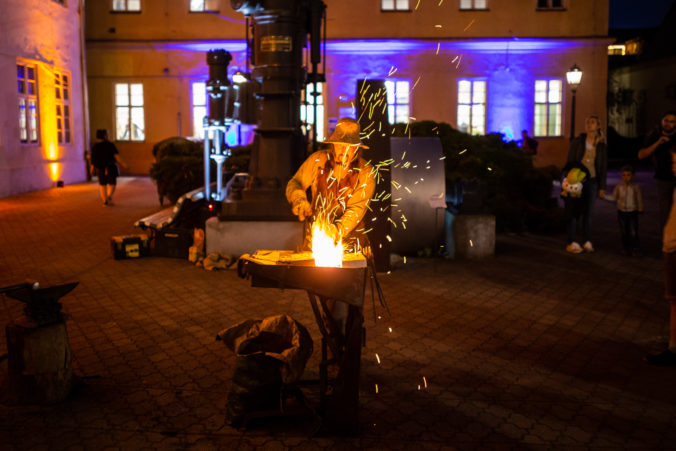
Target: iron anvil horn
(42,304)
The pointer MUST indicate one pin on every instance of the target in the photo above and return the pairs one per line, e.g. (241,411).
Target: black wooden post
(375,128)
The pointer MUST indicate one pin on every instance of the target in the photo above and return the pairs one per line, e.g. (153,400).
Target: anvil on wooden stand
(39,360)
(339,397)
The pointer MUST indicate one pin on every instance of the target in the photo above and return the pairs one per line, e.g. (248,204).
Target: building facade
(42,122)
(480,65)
(641,84)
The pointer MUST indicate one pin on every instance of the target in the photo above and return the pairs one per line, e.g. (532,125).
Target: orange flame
(324,250)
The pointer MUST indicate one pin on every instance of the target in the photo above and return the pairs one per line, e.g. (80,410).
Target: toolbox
(130,246)
(174,242)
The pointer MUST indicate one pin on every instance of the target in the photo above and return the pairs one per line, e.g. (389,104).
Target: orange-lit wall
(46,34)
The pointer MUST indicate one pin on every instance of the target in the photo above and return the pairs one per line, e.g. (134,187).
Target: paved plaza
(532,349)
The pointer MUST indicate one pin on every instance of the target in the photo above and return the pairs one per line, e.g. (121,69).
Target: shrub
(518,194)
(179,166)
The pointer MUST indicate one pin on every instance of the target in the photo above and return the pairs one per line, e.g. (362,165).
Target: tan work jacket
(348,207)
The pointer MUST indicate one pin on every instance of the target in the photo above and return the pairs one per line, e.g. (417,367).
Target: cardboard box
(130,246)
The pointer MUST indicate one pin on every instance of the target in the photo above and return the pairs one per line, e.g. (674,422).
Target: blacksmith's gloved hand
(302,209)
(334,231)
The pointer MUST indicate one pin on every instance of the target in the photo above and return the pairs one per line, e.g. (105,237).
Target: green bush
(518,194)
(179,166)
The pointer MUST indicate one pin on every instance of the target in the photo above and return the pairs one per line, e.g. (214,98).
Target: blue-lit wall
(509,66)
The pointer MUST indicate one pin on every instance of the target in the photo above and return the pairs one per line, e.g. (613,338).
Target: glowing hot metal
(324,250)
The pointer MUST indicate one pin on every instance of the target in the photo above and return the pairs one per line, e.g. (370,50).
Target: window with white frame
(307,110)
(473,4)
(472,106)
(398,100)
(62,93)
(547,114)
(199,108)
(129,114)
(127,5)
(550,4)
(26,75)
(394,5)
(198,6)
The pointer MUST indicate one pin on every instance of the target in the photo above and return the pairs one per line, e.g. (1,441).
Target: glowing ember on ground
(324,250)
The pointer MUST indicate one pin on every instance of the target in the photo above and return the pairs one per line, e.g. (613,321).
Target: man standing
(661,143)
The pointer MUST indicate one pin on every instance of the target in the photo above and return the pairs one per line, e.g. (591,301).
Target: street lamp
(573,78)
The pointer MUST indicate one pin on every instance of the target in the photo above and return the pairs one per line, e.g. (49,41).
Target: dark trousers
(665,196)
(628,221)
(582,209)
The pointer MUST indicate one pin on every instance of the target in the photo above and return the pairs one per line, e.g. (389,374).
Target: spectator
(660,144)
(629,206)
(529,145)
(588,149)
(668,356)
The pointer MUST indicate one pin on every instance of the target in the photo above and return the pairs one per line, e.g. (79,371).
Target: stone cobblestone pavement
(532,349)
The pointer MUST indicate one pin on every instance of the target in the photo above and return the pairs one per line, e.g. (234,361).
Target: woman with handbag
(588,149)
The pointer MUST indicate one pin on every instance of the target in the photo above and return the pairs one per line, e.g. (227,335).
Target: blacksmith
(342,184)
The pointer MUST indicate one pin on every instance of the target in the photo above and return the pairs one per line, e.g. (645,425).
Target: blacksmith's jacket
(343,203)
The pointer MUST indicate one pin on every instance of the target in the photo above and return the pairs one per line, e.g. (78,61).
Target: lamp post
(573,78)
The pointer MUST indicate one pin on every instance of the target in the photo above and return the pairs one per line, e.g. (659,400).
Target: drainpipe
(83,87)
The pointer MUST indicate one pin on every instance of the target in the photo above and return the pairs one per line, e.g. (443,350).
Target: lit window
(307,110)
(550,4)
(129,115)
(398,101)
(62,92)
(472,106)
(547,115)
(617,49)
(197,6)
(473,4)
(127,5)
(26,75)
(394,5)
(199,108)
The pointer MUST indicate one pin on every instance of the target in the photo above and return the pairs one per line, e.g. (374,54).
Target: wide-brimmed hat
(346,132)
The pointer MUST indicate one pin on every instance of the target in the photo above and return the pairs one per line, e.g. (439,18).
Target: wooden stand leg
(39,363)
(342,412)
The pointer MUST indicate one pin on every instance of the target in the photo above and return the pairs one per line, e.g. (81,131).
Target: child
(629,206)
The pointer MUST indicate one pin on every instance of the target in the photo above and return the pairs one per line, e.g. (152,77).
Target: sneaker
(573,248)
(665,358)
(588,247)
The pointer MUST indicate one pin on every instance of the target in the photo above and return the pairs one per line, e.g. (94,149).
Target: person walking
(629,206)
(588,149)
(660,145)
(105,159)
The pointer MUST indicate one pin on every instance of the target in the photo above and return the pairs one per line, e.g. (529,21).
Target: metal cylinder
(217,85)
(279,36)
